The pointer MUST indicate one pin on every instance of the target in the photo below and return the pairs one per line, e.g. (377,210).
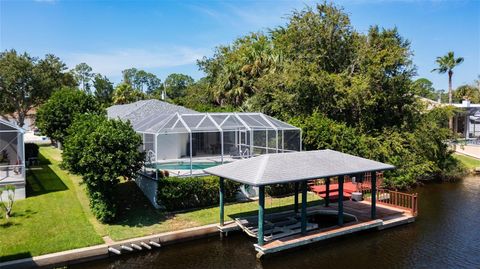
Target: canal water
(445,235)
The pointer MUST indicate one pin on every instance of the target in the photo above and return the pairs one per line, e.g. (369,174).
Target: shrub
(102,151)
(8,204)
(280,189)
(31,150)
(192,192)
(55,116)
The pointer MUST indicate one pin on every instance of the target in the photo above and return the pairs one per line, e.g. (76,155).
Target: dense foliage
(26,82)
(177,84)
(124,93)
(422,154)
(277,190)
(348,90)
(184,193)
(55,116)
(102,151)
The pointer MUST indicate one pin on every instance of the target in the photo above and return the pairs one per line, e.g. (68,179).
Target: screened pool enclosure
(12,164)
(182,140)
(218,137)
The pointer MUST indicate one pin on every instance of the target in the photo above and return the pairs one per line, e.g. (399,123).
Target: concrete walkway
(469,150)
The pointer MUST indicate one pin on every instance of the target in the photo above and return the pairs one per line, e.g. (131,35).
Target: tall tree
(124,93)
(141,80)
(103,89)
(56,115)
(83,75)
(424,87)
(446,64)
(26,82)
(176,85)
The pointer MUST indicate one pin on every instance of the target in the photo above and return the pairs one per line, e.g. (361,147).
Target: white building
(12,158)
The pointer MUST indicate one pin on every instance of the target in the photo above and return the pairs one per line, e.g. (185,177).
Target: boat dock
(387,217)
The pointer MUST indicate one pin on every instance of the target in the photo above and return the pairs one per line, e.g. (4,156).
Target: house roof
(157,117)
(139,110)
(296,166)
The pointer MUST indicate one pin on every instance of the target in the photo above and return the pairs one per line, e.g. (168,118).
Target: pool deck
(387,217)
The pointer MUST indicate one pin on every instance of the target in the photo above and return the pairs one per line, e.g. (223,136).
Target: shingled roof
(141,109)
(296,166)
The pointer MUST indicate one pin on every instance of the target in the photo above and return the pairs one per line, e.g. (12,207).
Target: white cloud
(111,63)
(45,1)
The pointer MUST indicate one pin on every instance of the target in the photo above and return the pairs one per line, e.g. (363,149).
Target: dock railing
(407,201)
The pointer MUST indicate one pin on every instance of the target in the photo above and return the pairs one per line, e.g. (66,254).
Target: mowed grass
(468,161)
(51,218)
(137,217)
(56,215)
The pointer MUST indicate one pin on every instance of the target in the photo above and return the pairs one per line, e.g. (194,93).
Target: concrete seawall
(97,252)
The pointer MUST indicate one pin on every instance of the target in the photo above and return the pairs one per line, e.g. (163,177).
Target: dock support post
(304,207)
(374,195)
(222,201)
(340,200)
(327,192)
(261,207)
(295,205)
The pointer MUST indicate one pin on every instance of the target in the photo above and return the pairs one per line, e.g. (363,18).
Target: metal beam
(340,200)
(261,208)
(222,201)
(296,197)
(374,194)
(327,192)
(304,207)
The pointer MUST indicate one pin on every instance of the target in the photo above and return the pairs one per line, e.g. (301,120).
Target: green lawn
(138,218)
(56,214)
(468,161)
(49,220)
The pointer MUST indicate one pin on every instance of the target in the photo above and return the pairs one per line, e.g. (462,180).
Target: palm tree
(446,64)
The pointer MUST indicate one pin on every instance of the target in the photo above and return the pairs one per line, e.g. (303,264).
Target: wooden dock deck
(387,216)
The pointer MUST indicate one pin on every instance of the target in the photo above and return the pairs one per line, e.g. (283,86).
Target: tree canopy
(317,62)
(176,85)
(351,91)
(26,82)
(83,75)
(124,93)
(141,80)
(57,114)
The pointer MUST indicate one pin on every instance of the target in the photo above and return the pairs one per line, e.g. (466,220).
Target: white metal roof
(157,117)
(208,122)
(296,166)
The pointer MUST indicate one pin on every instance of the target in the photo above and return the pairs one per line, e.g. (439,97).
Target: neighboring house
(466,122)
(12,158)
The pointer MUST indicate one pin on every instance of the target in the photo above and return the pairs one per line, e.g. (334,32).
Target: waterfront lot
(56,214)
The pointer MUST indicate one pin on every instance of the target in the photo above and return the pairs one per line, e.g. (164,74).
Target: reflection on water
(445,235)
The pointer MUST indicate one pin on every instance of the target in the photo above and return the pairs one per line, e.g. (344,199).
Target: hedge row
(193,192)
(280,189)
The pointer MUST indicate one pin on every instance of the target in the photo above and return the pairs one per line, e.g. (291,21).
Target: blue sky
(168,36)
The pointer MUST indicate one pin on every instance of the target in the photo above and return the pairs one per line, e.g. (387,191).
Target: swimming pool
(185,165)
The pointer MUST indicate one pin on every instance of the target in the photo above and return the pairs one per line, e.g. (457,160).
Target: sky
(165,37)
